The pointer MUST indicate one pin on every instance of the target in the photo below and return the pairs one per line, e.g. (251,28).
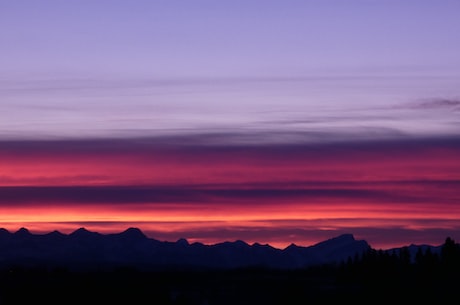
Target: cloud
(229,111)
(198,160)
(150,195)
(257,194)
(439,103)
(192,186)
(230,140)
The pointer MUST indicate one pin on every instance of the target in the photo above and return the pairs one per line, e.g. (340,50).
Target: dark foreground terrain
(374,277)
(321,285)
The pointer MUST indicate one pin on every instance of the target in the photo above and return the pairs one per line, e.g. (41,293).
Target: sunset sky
(267,121)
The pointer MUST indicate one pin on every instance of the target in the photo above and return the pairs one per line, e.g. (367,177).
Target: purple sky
(122,68)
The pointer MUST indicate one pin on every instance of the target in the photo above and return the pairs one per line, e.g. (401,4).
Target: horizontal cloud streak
(195,186)
(216,142)
(316,108)
(372,193)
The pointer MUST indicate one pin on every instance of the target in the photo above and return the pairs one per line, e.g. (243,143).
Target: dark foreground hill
(90,268)
(374,278)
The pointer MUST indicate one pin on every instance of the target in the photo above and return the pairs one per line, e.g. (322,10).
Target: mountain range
(83,249)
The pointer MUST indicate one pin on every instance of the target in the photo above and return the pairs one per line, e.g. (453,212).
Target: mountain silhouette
(129,267)
(83,249)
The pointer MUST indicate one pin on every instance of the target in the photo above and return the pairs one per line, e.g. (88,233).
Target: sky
(268,121)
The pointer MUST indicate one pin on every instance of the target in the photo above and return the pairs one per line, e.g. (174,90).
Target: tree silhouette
(405,256)
(450,255)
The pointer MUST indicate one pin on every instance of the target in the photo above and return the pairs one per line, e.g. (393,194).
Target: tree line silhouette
(423,275)
(401,260)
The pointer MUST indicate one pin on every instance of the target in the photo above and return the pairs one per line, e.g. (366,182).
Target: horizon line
(82,228)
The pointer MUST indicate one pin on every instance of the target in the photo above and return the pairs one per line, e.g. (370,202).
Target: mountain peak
(182,242)
(133,233)
(291,246)
(55,233)
(4,231)
(345,237)
(22,232)
(82,232)
(240,243)
(340,239)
